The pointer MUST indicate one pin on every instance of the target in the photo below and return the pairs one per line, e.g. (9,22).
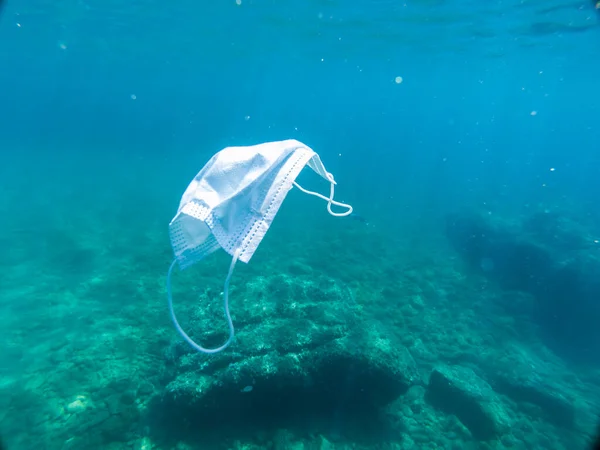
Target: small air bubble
(398,80)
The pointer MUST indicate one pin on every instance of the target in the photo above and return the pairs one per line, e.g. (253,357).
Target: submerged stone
(458,390)
(311,356)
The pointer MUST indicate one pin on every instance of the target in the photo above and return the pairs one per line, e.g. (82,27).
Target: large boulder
(305,353)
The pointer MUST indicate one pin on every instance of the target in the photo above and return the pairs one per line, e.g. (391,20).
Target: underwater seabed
(388,345)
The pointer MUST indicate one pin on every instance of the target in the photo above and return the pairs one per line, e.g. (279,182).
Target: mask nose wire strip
(225,305)
(330,201)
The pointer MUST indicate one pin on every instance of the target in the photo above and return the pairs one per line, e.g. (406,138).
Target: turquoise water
(457,312)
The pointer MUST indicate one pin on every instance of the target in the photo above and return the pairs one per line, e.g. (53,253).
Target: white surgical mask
(231,204)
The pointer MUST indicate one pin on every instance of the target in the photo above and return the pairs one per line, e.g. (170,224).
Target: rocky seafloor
(481,336)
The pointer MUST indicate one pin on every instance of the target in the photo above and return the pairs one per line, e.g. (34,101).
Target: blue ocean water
(458,311)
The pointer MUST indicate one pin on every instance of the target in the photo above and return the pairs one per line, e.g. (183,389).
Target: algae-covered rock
(305,351)
(458,390)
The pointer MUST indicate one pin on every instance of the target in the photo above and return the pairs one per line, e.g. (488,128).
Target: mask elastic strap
(330,201)
(225,304)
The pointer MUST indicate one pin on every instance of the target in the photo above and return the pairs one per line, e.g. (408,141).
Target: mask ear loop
(225,306)
(330,201)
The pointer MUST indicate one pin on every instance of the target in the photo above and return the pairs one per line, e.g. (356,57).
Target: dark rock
(570,309)
(459,391)
(497,250)
(548,257)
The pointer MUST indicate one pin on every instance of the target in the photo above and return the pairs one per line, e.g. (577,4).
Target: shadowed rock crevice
(341,399)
